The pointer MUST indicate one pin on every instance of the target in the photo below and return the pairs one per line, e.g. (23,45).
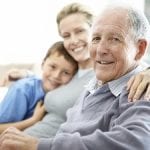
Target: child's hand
(139,84)
(13,75)
(39,111)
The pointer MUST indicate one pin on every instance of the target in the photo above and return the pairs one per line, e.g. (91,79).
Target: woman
(76,42)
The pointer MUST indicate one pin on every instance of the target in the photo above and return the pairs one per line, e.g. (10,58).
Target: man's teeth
(104,62)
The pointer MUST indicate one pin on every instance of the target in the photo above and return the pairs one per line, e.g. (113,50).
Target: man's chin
(102,78)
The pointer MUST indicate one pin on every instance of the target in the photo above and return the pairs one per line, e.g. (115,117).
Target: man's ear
(142,46)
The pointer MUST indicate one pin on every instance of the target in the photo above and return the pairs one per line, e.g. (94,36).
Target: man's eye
(116,39)
(96,39)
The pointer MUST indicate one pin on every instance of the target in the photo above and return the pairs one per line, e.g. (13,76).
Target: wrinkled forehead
(116,18)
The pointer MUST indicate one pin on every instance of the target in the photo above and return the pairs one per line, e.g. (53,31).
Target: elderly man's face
(112,48)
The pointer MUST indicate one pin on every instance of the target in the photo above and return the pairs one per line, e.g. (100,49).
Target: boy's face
(56,71)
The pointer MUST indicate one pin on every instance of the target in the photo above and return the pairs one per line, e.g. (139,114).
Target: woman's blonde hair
(75,8)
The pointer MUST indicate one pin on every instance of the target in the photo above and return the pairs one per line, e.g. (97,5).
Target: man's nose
(102,47)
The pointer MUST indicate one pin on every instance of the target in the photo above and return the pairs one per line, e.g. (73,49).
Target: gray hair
(138,24)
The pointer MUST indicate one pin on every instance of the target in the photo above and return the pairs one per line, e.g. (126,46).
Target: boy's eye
(52,66)
(66,73)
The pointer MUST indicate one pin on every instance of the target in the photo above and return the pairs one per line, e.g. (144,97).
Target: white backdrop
(28,28)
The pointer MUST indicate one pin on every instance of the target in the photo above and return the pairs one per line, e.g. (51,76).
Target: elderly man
(103,118)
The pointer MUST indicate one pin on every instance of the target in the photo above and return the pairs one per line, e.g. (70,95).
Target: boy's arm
(39,112)
(14,75)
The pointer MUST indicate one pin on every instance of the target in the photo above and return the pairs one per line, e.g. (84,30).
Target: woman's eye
(65,36)
(79,31)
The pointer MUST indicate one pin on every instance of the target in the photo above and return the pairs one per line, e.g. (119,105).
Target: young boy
(58,68)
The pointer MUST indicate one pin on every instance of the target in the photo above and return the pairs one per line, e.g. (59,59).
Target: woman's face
(75,30)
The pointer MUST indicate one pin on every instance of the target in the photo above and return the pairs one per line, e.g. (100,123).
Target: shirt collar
(115,86)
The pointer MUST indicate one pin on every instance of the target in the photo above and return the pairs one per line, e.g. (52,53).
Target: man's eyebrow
(119,35)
